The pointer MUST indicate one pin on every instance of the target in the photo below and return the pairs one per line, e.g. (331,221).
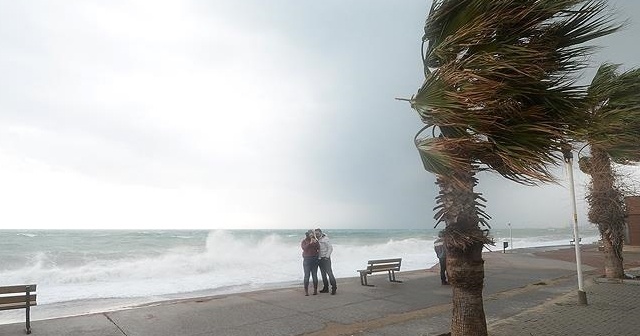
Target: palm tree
(498,96)
(612,132)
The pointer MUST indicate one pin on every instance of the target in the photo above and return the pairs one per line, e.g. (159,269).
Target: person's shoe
(315,291)
(324,290)
(445,283)
(333,291)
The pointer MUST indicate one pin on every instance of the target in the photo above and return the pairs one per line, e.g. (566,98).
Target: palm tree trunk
(464,241)
(466,275)
(607,211)
(613,261)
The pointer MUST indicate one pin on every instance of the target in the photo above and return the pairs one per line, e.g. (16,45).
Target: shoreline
(209,264)
(89,306)
(515,283)
(80,307)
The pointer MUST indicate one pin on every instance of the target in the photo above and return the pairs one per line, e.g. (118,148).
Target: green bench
(391,266)
(19,297)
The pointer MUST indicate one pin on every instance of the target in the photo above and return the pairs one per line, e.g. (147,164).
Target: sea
(86,271)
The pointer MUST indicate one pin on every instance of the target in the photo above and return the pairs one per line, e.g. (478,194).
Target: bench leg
(366,283)
(363,279)
(392,277)
(28,321)
(28,312)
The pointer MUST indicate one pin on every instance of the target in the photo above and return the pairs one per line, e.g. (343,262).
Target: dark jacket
(310,248)
(438,246)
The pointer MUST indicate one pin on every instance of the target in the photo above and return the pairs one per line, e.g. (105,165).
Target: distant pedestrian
(325,263)
(441,253)
(310,250)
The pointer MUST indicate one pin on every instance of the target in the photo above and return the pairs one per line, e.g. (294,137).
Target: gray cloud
(275,113)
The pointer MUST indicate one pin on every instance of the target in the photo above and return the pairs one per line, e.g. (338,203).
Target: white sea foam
(30,235)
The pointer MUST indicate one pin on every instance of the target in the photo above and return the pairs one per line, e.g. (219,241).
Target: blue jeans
(325,269)
(310,266)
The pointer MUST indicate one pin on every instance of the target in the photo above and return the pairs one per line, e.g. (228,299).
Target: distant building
(633,220)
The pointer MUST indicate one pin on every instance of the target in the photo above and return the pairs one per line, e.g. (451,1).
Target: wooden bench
(381,265)
(19,297)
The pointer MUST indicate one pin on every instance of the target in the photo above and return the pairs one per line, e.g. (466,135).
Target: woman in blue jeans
(310,251)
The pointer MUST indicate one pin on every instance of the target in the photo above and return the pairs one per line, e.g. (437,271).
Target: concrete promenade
(527,292)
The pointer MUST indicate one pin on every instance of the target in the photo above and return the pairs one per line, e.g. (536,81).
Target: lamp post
(510,236)
(568,159)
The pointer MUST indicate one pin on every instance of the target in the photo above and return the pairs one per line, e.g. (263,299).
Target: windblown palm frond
(500,73)
(614,113)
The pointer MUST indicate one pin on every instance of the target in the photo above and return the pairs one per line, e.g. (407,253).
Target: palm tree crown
(499,82)
(613,113)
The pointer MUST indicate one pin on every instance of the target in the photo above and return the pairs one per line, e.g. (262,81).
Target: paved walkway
(613,309)
(526,293)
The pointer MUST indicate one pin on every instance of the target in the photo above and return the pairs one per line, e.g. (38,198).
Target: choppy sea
(116,269)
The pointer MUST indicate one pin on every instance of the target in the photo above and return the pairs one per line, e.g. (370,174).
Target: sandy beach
(517,283)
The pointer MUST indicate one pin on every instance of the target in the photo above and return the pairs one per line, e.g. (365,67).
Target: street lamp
(568,159)
(510,236)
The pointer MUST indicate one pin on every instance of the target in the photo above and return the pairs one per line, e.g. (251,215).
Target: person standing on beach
(310,254)
(441,253)
(325,263)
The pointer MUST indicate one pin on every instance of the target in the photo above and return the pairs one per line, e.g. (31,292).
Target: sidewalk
(613,306)
(613,309)
(527,292)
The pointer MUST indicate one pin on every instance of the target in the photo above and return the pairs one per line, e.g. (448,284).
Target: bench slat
(384,264)
(17,289)
(389,263)
(385,261)
(17,299)
(17,305)
(381,268)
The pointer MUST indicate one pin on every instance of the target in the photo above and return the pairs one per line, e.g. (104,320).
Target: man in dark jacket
(441,253)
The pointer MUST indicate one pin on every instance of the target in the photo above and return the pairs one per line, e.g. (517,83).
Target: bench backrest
(15,297)
(384,264)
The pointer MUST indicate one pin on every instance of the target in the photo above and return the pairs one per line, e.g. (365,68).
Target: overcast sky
(230,114)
